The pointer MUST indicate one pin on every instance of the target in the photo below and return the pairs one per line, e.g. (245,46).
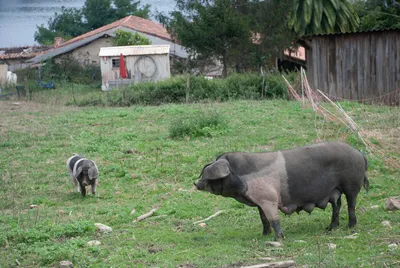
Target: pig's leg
(261,193)
(94,185)
(83,189)
(265,222)
(76,184)
(335,214)
(351,206)
(270,210)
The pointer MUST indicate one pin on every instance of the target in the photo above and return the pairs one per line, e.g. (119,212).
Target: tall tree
(210,29)
(322,16)
(67,24)
(71,22)
(98,13)
(240,33)
(378,14)
(131,7)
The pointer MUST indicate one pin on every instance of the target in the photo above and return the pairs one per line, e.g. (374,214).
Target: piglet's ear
(93,172)
(217,170)
(78,172)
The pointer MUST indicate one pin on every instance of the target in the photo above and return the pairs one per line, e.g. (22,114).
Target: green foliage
(378,14)
(325,16)
(173,90)
(203,124)
(66,24)
(70,69)
(72,22)
(210,29)
(242,35)
(126,38)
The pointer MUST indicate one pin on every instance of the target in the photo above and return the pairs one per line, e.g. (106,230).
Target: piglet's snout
(195,185)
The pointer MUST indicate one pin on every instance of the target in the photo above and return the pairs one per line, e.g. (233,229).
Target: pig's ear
(93,172)
(217,170)
(77,172)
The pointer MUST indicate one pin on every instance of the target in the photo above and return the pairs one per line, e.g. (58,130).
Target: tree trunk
(225,68)
(187,86)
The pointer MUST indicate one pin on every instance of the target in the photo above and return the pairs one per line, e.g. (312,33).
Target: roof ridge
(127,19)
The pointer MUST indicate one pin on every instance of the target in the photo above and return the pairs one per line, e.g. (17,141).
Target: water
(18,18)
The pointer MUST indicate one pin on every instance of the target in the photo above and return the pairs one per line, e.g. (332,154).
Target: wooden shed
(363,66)
(143,64)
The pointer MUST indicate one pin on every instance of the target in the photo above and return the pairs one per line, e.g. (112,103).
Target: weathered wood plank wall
(360,66)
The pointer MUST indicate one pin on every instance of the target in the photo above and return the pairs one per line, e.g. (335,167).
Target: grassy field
(36,139)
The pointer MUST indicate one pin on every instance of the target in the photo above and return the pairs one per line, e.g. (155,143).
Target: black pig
(290,180)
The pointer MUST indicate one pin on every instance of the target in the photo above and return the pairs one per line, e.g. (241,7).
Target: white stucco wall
(89,54)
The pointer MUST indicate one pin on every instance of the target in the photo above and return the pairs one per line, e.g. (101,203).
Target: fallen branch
(158,217)
(280,264)
(209,218)
(144,216)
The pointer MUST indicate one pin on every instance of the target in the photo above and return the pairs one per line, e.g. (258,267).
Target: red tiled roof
(26,52)
(297,53)
(133,22)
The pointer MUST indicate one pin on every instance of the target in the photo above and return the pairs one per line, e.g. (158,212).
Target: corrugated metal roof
(134,50)
(356,32)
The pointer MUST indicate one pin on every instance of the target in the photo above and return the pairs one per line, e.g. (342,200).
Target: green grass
(36,140)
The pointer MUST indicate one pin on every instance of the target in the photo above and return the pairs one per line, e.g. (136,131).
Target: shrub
(198,125)
(69,69)
(126,38)
(173,90)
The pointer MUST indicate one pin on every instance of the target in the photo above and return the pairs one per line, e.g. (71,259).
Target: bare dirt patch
(25,106)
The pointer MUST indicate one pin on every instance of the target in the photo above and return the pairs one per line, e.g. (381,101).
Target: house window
(115,63)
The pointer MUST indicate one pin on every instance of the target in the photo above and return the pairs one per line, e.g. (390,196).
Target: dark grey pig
(290,180)
(83,172)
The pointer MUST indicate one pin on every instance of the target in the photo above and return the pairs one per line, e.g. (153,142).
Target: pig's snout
(200,185)
(195,185)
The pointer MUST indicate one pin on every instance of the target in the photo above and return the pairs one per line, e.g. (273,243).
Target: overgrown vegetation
(173,90)
(126,38)
(198,125)
(159,171)
(65,70)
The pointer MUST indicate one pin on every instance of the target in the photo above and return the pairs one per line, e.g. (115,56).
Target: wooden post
(28,95)
(123,91)
(73,93)
(302,84)
(263,83)
(187,86)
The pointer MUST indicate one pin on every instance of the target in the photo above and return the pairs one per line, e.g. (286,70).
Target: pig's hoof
(266,232)
(352,224)
(332,226)
(279,237)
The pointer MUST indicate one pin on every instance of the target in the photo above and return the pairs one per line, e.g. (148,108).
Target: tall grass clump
(200,124)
